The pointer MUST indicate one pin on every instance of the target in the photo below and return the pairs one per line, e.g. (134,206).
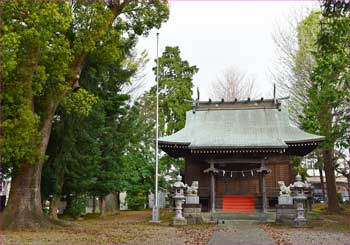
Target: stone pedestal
(190,200)
(285,200)
(285,214)
(193,214)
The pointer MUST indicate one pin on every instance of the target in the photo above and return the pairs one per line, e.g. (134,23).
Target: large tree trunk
(24,208)
(102,206)
(111,203)
(333,204)
(54,205)
(1,85)
(93,204)
(348,179)
(320,169)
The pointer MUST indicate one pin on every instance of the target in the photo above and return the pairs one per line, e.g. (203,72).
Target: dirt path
(131,227)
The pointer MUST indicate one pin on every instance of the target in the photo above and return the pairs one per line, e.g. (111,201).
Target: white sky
(214,35)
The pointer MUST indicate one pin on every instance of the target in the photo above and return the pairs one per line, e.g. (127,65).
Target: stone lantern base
(299,222)
(285,214)
(193,214)
(179,221)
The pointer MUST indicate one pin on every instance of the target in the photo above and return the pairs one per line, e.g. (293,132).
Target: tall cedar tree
(324,112)
(175,86)
(45,48)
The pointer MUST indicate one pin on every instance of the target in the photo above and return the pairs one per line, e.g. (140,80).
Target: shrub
(76,206)
(137,202)
(340,197)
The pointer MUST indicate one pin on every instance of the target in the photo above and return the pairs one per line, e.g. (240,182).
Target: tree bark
(24,209)
(1,84)
(54,205)
(333,204)
(118,201)
(320,169)
(93,204)
(102,206)
(348,179)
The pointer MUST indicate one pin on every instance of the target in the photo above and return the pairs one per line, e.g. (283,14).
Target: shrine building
(238,151)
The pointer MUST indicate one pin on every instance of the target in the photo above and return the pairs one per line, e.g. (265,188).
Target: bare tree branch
(233,84)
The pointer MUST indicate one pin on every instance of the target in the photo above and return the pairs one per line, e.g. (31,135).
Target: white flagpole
(155,213)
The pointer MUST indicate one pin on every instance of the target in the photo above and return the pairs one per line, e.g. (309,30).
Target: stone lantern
(298,189)
(179,197)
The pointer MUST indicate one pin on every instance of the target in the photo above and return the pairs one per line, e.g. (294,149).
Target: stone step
(224,216)
(240,210)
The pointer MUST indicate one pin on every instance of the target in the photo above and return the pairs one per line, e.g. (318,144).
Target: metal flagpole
(155,211)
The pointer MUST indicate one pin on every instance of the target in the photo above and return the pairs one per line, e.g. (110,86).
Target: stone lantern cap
(298,184)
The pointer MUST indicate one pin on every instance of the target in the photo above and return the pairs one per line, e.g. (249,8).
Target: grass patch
(166,215)
(321,220)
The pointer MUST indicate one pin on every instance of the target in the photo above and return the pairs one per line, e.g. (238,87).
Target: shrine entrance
(238,191)
(237,186)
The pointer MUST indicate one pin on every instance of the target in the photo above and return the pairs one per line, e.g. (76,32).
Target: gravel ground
(286,235)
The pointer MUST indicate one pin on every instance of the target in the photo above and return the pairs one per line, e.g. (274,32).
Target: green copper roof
(239,128)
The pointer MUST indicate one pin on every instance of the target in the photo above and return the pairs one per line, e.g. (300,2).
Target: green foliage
(137,202)
(45,46)
(340,197)
(302,63)
(297,167)
(175,86)
(138,160)
(79,102)
(90,132)
(324,113)
(33,38)
(75,206)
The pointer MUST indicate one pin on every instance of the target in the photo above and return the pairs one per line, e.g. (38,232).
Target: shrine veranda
(238,151)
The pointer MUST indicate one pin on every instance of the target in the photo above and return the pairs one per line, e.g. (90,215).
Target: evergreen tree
(175,86)
(324,113)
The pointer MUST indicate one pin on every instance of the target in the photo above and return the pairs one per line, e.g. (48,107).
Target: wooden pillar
(263,190)
(212,188)
(263,171)
(212,171)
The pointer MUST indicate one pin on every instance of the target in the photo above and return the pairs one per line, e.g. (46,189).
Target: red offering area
(239,204)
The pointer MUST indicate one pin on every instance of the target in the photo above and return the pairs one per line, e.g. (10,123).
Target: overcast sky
(214,35)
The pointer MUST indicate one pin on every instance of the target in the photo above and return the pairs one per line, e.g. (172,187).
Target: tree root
(33,223)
